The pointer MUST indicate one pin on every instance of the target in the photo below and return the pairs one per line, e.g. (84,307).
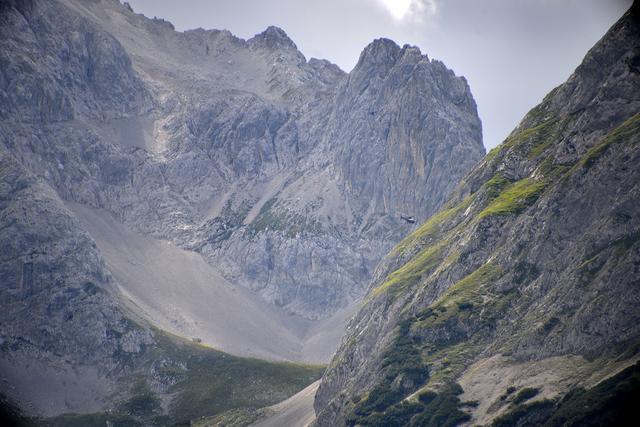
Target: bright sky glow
(401,10)
(397,8)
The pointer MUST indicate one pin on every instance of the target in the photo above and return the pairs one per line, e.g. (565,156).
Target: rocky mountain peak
(382,55)
(273,38)
(326,70)
(381,52)
(413,54)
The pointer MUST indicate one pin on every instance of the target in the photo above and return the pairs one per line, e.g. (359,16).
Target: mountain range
(225,191)
(195,224)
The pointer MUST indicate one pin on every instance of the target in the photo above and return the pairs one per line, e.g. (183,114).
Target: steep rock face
(287,175)
(58,301)
(527,279)
(64,69)
(391,129)
(412,116)
(241,153)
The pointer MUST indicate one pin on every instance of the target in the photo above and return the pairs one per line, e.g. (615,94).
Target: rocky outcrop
(526,281)
(383,137)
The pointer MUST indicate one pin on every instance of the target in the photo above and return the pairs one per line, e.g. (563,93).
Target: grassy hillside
(179,381)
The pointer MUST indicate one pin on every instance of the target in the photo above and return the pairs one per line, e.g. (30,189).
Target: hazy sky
(512,52)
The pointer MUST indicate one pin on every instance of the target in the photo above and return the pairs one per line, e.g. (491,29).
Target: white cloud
(403,9)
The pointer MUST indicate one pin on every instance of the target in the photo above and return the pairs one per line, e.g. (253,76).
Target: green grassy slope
(178,381)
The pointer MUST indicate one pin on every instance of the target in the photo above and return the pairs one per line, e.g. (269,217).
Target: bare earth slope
(185,295)
(295,411)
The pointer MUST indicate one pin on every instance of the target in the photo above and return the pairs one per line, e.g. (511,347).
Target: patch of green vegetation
(551,171)
(467,302)
(531,415)
(610,403)
(493,152)
(266,219)
(539,137)
(442,410)
(525,394)
(465,306)
(622,133)
(215,382)
(205,382)
(231,217)
(539,134)
(470,404)
(448,360)
(467,288)
(398,415)
(434,241)
(99,419)
(233,214)
(546,134)
(427,396)
(403,372)
(515,198)
(432,228)
(411,272)
(403,358)
(496,185)
(431,409)
(532,133)
(143,402)
(278,218)
(461,297)
(404,363)
(508,393)
(546,167)
(541,111)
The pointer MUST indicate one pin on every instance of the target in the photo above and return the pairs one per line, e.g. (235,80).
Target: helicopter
(409,219)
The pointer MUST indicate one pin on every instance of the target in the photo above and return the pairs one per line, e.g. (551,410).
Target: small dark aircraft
(409,219)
